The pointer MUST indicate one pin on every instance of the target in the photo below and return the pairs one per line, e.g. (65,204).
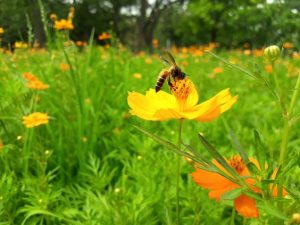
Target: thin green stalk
(178,172)
(287,124)
(275,77)
(232,216)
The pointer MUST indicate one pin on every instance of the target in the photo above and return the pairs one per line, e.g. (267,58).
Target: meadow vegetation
(77,144)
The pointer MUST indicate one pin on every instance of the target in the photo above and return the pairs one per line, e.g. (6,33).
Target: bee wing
(168,58)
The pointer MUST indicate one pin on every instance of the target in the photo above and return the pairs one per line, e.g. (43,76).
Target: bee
(172,74)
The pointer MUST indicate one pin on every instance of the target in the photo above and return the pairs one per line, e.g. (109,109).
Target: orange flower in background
(268,68)
(219,185)
(104,36)
(34,83)
(35,119)
(1,145)
(64,67)
(155,43)
(218,70)
(184,63)
(1,30)
(181,104)
(288,45)
(63,24)
(80,43)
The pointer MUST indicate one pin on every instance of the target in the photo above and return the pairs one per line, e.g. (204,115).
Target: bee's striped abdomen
(161,79)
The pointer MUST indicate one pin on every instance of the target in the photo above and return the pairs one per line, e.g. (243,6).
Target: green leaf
(170,146)
(216,155)
(231,195)
(259,150)
(237,145)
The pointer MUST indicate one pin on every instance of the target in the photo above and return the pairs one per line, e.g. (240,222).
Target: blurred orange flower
(104,36)
(1,145)
(80,43)
(268,68)
(63,24)
(219,185)
(155,43)
(1,30)
(184,63)
(181,104)
(64,67)
(35,119)
(218,70)
(34,83)
(288,45)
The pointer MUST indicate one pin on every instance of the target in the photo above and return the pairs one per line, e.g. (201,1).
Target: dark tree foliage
(136,22)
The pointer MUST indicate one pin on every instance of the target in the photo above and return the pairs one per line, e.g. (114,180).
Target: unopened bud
(272,53)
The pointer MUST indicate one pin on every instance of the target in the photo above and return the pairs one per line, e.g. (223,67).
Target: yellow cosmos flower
(181,104)
(35,119)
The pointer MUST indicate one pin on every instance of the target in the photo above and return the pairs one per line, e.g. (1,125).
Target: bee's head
(182,75)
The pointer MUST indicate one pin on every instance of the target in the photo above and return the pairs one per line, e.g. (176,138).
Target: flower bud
(272,53)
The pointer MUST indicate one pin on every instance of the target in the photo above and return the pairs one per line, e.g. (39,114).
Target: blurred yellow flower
(53,16)
(137,75)
(63,24)
(247,52)
(104,36)
(293,71)
(34,83)
(148,61)
(1,30)
(181,104)
(19,44)
(35,119)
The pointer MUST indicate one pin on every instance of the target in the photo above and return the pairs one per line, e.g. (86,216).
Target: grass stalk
(178,172)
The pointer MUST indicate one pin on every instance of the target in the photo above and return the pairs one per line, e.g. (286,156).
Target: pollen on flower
(237,163)
(181,88)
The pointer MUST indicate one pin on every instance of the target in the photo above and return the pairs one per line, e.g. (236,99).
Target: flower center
(237,163)
(181,88)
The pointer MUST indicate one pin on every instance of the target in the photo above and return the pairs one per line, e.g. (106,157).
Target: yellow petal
(147,106)
(161,99)
(140,106)
(218,104)
(165,114)
(193,97)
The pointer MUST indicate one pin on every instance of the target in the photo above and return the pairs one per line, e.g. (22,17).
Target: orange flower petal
(246,206)
(217,184)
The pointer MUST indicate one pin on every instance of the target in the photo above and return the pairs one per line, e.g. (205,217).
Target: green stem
(178,172)
(232,216)
(287,124)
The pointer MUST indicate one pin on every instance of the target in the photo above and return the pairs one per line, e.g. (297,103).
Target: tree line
(135,23)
